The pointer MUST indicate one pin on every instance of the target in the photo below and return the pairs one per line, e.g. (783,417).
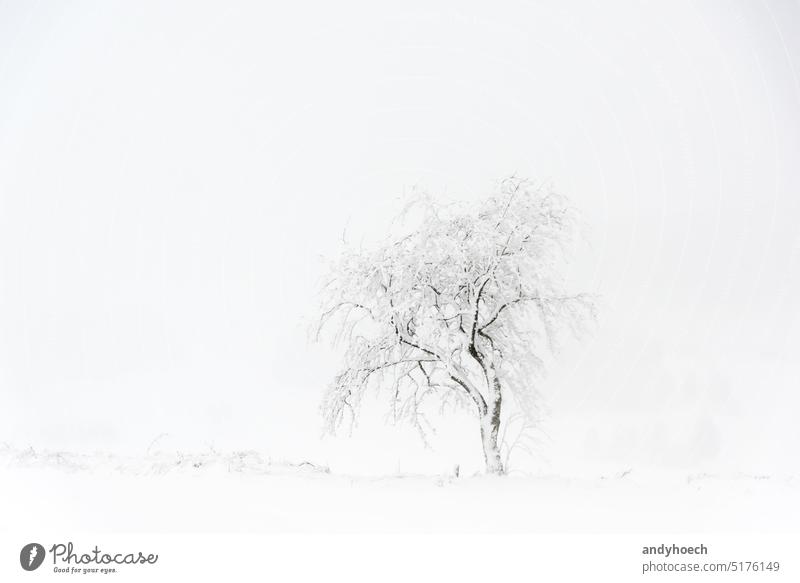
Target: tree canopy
(461,308)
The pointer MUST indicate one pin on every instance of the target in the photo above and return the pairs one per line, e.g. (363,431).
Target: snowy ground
(247,492)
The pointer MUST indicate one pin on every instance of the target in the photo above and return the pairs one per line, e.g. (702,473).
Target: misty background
(173,177)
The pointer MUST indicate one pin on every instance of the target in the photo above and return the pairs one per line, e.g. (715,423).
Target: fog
(173,178)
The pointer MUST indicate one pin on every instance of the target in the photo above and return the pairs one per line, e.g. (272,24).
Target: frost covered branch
(463,306)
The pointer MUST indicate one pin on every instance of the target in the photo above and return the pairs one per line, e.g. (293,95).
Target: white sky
(171,175)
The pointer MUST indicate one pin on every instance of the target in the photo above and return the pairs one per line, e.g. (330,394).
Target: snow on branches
(461,308)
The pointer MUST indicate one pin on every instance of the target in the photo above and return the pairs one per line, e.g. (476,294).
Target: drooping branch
(540,300)
(433,310)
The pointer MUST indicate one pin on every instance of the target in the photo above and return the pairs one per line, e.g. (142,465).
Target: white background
(413,558)
(172,176)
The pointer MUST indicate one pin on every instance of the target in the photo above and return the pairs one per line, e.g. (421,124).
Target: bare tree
(462,308)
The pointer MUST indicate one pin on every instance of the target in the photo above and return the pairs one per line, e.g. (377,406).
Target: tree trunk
(490,427)
(491,452)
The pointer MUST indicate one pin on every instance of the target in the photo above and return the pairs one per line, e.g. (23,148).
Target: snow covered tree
(461,308)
